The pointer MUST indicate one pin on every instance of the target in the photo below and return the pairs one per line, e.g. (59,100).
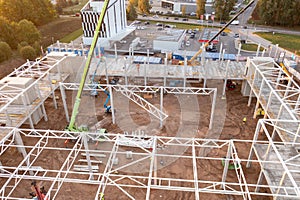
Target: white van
(235,22)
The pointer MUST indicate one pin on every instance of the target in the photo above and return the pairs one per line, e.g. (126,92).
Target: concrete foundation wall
(245,90)
(36,116)
(20,82)
(70,66)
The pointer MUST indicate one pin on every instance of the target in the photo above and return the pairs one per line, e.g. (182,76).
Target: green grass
(251,47)
(72,36)
(286,41)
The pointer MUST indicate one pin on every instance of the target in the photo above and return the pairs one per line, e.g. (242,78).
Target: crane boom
(220,31)
(75,111)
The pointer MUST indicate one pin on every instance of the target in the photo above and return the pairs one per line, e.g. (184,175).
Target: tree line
(137,6)
(18,21)
(278,12)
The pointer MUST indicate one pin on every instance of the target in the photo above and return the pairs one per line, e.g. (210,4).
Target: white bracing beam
(121,181)
(156,112)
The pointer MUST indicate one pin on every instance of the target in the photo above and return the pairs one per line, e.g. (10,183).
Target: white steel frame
(280,101)
(42,71)
(279,161)
(130,91)
(56,178)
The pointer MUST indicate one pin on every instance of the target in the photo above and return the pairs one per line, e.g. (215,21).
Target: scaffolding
(276,92)
(108,163)
(279,163)
(19,104)
(132,91)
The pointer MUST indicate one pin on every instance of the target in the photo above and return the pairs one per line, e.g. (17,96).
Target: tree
(277,12)
(223,8)
(5,51)
(131,12)
(133,2)
(27,32)
(28,52)
(200,7)
(7,33)
(144,6)
(183,10)
(38,11)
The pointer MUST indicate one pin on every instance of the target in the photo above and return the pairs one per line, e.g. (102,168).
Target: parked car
(159,24)
(147,23)
(211,48)
(176,18)
(185,19)
(192,35)
(236,35)
(192,14)
(187,43)
(223,34)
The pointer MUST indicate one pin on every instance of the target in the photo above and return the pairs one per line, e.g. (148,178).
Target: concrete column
(64,97)
(221,48)
(161,104)
(257,51)
(145,74)
(21,149)
(184,72)
(165,72)
(43,106)
(225,169)
(52,91)
(225,81)
(88,158)
(213,109)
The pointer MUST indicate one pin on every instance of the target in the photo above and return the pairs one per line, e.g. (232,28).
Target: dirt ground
(186,119)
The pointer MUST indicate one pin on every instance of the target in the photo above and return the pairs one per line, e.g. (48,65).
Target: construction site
(106,127)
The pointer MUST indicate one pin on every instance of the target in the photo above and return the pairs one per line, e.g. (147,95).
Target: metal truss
(150,108)
(270,155)
(132,91)
(16,107)
(279,161)
(276,92)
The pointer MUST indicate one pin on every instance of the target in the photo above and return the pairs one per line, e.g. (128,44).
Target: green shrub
(5,51)
(22,44)
(28,52)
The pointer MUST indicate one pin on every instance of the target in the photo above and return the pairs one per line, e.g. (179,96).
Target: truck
(235,22)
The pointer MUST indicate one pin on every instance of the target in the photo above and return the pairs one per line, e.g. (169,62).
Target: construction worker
(101,195)
(244,120)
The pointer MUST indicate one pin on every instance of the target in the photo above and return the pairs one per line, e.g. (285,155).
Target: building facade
(114,26)
(176,6)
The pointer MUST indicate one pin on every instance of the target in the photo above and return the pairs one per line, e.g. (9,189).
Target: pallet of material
(85,168)
(32,168)
(92,161)
(95,155)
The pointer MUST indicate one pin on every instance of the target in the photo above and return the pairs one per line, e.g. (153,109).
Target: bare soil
(92,112)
